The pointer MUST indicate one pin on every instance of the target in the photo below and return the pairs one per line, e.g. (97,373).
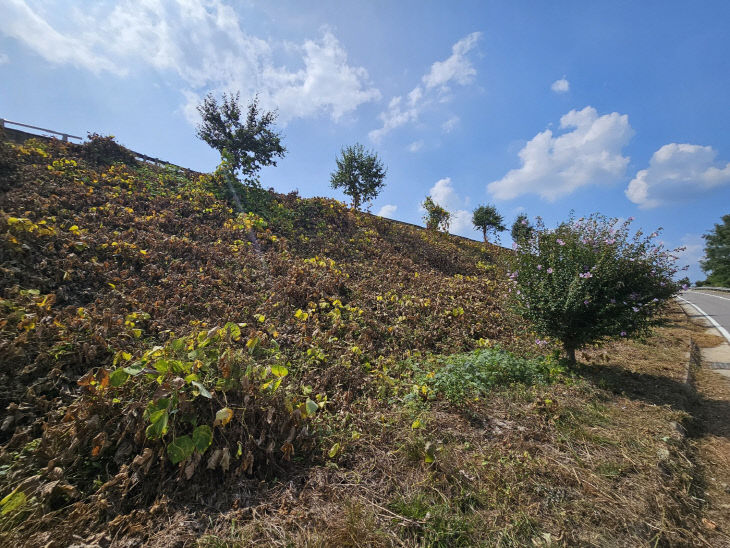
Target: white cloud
(23,23)
(456,68)
(204,44)
(388,211)
(415,146)
(555,166)
(444,194)
(677,172)
(4,58)
(450,125)
(560,86)
(435,83)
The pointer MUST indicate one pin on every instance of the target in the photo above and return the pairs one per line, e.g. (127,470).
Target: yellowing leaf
(416,424)
(223,416)
(332,453)
(13,501)
(279,370)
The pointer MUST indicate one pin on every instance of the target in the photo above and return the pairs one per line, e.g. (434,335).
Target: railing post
(65,137)
(2,123)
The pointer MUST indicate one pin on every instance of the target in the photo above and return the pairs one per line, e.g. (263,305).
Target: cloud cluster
(204,44)
(444,194)
(556,165)
(560,86)
(388,211)
(434,84)
(677,172)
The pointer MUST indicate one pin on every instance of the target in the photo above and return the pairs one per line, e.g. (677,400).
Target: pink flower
(560,242)
(549,270)
(539,267)
(623,333)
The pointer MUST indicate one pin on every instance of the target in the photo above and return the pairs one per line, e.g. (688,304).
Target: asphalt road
(715,305)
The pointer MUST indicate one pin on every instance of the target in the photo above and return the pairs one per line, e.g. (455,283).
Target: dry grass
(599,460)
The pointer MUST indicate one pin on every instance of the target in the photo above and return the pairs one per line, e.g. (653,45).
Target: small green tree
(250,143)
(436,216)
(588,281)
(521,228)
(717,254)
(486,218)
(359,173)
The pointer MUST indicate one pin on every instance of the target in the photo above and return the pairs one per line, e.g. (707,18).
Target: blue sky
(620,107)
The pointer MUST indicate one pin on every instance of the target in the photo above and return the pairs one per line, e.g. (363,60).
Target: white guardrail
(64,136)
(712,288)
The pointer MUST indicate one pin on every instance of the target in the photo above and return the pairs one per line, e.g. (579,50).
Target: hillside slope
(169,369)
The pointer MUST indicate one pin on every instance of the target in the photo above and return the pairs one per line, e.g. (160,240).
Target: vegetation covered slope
(169,369)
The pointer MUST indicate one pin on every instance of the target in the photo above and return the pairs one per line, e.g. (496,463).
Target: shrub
(436,216)
(521,228)
(101,150)
(466,376)
(589,280)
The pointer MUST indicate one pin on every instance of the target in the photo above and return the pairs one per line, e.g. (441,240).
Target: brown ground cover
(138,318)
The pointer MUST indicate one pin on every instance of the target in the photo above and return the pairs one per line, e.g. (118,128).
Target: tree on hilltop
(436,216)
(486,218)
(251,143)
(359,173)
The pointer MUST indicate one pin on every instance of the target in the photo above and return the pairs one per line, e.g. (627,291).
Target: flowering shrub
(589,280)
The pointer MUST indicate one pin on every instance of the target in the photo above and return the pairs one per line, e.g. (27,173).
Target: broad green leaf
(162,365)
(180,449)
(134,369)
(158,426)
(178,345)
(118,377)
(223,416)
(202,438)
(311,406)
(332,453)
(279,370)
(13,501)
(202,390)
(234,330)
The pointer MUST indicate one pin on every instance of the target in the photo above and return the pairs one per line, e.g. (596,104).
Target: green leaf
(202,437)
(13,501)
(202,390)
(311,406)
(332,453)
(158,426)
(162,365)
(134,369)
(118,377)
(279,370)
(234,330)
(178,345)
(180,449)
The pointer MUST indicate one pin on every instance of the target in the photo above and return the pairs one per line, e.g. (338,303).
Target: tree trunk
(484,231)
(570,354)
